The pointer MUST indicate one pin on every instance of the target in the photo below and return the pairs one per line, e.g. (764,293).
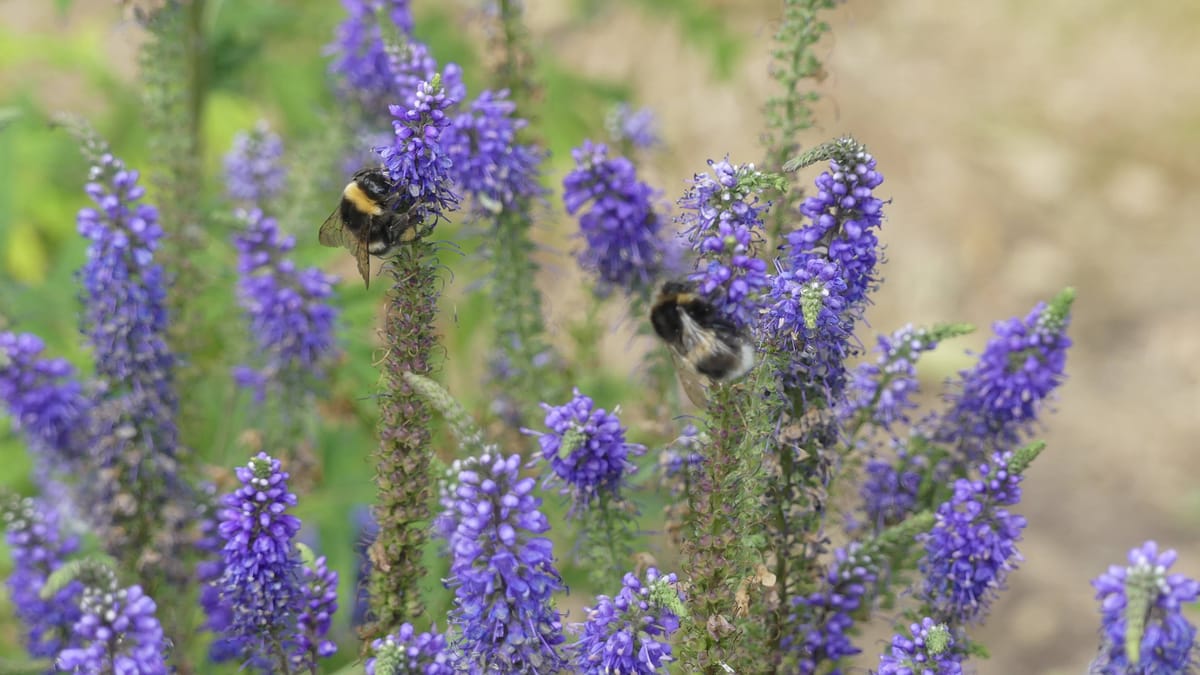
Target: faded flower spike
(1143,628)
(586,448)
(503,575)
(407,651)
(631,632)
(930,651)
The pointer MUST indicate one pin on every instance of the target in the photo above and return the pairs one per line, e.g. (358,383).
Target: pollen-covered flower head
(488,164)
(617,219)
(586,449)
(502,573)
(722,218)
(631,631)
(929,649)
(1143,626)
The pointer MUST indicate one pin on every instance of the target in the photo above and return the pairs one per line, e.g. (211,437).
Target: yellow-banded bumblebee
(368,221)
(707,347)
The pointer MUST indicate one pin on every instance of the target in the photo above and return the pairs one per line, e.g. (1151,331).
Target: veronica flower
(44,399)
(1143,627)
(407,651)
(38,548)
(502,573)
(118,633)
(722,218)
(362,66)
(253,172)
(999,400)
(883,390)
(682,456)
(630,632)
(260,584)
(617,218)
(586,449)
(823,618)
(416,158)
(929,651)
(318,606)
(366,530)
(635,129)
(973,544)
(290,317)
(487,162)
(890,489)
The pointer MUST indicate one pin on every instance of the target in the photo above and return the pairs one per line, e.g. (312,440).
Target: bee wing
(363,257)
(694,384)
(333,231)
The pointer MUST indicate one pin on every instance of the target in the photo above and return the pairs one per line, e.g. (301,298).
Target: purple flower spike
(407,651)
(319,605)
(631,632)
(253,173)
(39,548)
(44,399)
(119,633)
(825,617)
(416,160)
(487,163)
(929,651)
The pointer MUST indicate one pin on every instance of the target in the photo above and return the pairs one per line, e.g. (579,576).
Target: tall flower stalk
(416,160)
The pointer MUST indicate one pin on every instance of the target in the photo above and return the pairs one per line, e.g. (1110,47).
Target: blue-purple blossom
(118,634)
(254,174)
(631,632)
(617,218)
(890,489)
(487,162)
(973,543)
(682,456)
(502,573)
(318,606)
(261,579)
(363,66)
(722,218)
(823,619)
(416,160)
(929,651)
(288,308)
(999,400)
(38,548)
(366,529)
(409,652)
(44,399)
(586,449)
(806,315)
(1143,628)
(635,129)
(124,303)
(884,389)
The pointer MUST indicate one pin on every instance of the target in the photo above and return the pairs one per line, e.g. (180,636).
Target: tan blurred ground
(1026,146)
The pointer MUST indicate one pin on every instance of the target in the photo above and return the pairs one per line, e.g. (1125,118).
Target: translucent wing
(333,230)
(363,258)
(694,384)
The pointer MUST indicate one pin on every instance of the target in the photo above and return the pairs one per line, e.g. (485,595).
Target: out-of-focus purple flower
(1143,628)
(288,308)
(929,651)
(822,619)
(319,603)
(407,651)
(260,583)
(503,575)
(38,547)
(367,529)
(683,454)
(416,161)
(973,544)
(1000,398)
(722,218)
(487,162)
(884,388)
(253,172)
(617,218)
(586,449)
(363,67)
(45,400)
(119,634)
(125,313)
(889,490)
(630,632)
(635,129)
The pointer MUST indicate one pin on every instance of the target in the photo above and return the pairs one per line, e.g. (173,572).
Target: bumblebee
(707,348)
(369,220)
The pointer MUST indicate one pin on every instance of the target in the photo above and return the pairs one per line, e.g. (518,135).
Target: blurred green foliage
(268,60)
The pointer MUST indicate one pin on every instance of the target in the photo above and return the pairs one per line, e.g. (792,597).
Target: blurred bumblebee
(368,221)
(707,348)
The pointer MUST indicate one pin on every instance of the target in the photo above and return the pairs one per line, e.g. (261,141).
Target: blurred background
(1026,145)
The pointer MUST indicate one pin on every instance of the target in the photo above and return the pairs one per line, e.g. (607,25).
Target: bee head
(374,183)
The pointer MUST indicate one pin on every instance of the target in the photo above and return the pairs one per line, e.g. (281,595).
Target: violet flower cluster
(617,218)
(118,634)
(363,66)
(630,632)
(884,389)
(632,128)
(502,572)
(824,618)
(586,449)
(254,174)
(973,544)
(38,548)
(416,158)
(1143,627)
(288,309)
(890,490)
(45,401)
(316,615)
(487,162)
(407,651)
(723,218)
(928,650)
